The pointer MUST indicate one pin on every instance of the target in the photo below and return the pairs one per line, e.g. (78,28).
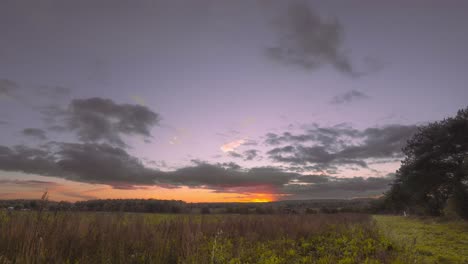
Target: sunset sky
(213,101)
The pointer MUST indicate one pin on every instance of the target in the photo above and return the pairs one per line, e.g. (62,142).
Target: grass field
(80,237)
(30,237)
(433,241)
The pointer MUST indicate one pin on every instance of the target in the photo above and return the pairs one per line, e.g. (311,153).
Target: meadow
(433,240)
(100,237)
(74,237)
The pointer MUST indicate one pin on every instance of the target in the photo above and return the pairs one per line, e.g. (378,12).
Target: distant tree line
(174,207)
(108,205)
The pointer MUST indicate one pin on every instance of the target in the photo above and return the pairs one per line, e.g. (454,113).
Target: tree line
(433,176)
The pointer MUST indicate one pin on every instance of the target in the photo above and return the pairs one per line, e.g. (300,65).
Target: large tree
(434,169)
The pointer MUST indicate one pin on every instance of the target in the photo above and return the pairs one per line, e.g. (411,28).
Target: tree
(434,168)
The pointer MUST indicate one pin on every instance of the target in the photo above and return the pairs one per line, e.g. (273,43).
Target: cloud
(28,160)
(4,122)
(232,146)
(103,120)
(30,183)
(331,187)
(92,163)
(313,179)
(250,154)
(234,154)
(348,97)
(230,165)
(246,155)
(216,176)
(325,148)
(325,136)
(307,40)
(34,133)
(8,88)
(103,163)
(113,166)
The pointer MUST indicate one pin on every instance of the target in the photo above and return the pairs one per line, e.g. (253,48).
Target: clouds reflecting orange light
(32,187)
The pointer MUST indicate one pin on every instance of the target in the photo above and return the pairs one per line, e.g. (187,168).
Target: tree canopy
(434,170)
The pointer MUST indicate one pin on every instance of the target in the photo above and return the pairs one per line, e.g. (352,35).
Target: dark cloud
(385,142)
(28,160)
(3,122)
(326,148)
(234,154)
(324,168)
(250,154)
(348,97)
(301,155)
(332,187)
(246,155)
(307,40)
(105,164)
(216,176)
(313,179)
(326,136)
(31,183)
(92,163)
(103,120)
(230,165)
(156,163)
(101,163)
(34,133)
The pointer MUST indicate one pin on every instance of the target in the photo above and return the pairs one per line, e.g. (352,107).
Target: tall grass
(72,237)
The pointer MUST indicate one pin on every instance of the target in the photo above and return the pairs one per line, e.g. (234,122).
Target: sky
(221,101)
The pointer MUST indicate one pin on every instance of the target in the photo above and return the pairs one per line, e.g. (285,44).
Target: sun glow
(261,200)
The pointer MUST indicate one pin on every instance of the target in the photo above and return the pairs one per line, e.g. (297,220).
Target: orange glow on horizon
(262,198)
(66,190)
(259,200)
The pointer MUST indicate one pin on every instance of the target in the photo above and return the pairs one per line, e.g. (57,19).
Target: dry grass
(72,237)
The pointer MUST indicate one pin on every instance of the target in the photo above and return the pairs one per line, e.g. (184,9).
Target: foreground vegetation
(73,237)
(432,240)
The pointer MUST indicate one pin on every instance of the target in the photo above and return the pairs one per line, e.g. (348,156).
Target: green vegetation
(433,177)
(432,240)
(98,237)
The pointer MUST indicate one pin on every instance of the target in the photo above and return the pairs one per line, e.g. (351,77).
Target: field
(27,237)
(93,237)
(434,241)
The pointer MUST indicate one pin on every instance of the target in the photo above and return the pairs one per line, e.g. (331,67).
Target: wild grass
(74,237)
(432,240)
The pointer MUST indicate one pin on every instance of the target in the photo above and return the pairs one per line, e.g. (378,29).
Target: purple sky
(296,87)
